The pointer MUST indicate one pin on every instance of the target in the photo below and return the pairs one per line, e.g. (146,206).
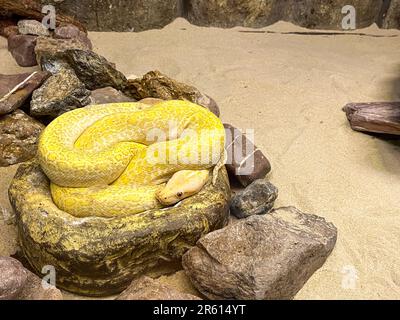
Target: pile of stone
(266,254)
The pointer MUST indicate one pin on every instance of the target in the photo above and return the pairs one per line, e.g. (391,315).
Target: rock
(257,198)
(22,48)
(49,52)
(151,101)
(245,161)
(306,13)
(18,283)
(62,92)
(108,95)
(377,117)
(111,15)
(145,288)
(392,17)
(262,257)
(72,32)
(154,84)
(32,9)
(8,27)
(32,27)
(16,99)
(19,135)
(12,278)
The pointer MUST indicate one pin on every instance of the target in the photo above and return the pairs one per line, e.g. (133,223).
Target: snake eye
(179,194)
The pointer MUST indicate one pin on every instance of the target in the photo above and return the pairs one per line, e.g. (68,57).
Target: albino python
(126,158)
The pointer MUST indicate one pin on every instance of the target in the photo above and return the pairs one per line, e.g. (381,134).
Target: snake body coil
(109,160)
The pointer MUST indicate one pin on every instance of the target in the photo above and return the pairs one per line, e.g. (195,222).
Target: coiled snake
(125,158)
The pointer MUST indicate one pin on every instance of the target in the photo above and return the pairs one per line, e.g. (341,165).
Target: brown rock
(146,288)
(392,17)
(12,278)
(16,99)
(111,15)
(22,48)
(262,257)
(108,95)
(9,31)
(245,161)
(151,101)
(377,117)
(154,84)
(72,32)
(32,27)
(19,135)
(8,27)
(18,283)
(61,93)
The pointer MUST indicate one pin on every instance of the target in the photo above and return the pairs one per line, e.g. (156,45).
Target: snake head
(182,184)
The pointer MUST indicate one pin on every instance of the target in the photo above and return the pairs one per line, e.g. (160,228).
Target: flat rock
(146,288)
(258,198)
(15,100)
(262,257)
(22,48)
(49,52)
(245,162)
(19,135)
(18,283)
(60,93)
(72,32)
(377,117)
(108,95)
(154,84)
(32,27)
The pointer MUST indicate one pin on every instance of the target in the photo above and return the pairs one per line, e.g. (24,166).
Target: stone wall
(139,15)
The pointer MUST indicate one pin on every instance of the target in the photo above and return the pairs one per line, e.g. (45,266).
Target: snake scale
(125,158)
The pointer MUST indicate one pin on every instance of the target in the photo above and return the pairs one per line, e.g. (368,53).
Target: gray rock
(108,95)
(262,257)
(60,93)
(392,18)
(154,84)
(22,48)
(245,161)
(12,278)
(258,198)
(32,27)
(11,102)
(18,283)
(19,135)
(145,288)
(72,32)
(254,13)
(114,15)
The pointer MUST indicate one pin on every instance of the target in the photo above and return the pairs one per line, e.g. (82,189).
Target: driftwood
(377,117)
(32,9)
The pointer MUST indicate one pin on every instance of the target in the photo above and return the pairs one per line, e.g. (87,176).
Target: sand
(290,89)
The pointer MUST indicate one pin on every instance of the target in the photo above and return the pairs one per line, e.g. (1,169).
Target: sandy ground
(290,89)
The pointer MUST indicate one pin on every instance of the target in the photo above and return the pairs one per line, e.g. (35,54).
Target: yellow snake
(125,158)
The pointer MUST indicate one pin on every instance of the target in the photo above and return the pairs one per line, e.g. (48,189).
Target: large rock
(392,18)
(319,14)
(261,257)
(108,95)
(18,283)
(258,198)
(145,288)
(19,135)
(154,84)
(32,27)
(61,93)
(245,162)
(10,102)
(114,15)
(22,48)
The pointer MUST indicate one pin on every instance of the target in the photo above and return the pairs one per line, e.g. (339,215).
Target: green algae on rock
(99,256)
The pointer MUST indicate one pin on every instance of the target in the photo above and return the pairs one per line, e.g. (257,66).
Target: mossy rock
(100,256)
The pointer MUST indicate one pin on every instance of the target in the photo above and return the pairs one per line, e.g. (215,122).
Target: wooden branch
(33,9)
(377,117)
